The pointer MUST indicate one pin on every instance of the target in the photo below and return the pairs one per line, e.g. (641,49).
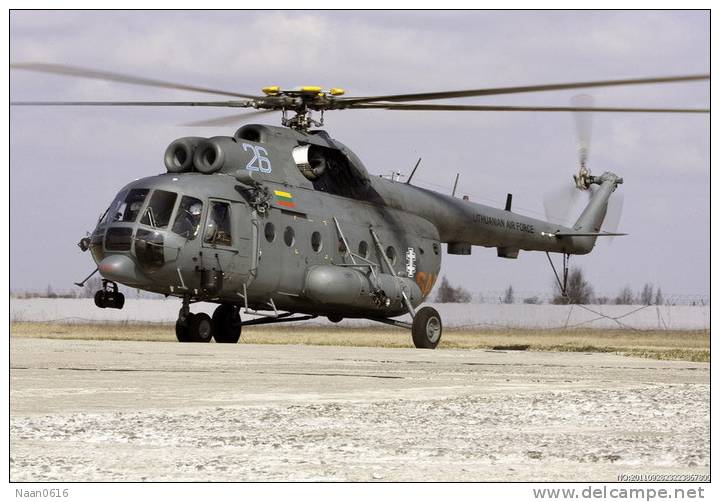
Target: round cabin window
(363,249)
(390,252)
(316,241)
(289,236)
(269,232)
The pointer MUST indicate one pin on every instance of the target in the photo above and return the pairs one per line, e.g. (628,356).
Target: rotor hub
(303,101)
(583,179)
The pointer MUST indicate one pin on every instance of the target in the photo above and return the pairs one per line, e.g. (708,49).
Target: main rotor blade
(528,88)
(228,120)
(76,71)
(225,104)
(500,108)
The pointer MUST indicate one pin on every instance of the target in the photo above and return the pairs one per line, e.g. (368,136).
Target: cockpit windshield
(188,217)
(126,206)
(159,209)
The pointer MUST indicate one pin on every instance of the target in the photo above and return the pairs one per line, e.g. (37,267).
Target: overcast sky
(68,163)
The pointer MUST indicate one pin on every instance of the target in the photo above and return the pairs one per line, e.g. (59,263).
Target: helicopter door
(227,247)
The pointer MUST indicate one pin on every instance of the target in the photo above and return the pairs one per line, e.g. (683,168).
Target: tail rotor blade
(583,125)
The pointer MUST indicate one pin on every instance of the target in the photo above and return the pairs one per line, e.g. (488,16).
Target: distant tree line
(578,291)
(450,294)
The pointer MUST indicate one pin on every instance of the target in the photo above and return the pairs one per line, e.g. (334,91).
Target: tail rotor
(560,202)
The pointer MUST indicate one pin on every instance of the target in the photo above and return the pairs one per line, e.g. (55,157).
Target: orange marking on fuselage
(425,281)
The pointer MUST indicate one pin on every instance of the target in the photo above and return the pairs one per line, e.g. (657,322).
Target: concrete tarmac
(151,411)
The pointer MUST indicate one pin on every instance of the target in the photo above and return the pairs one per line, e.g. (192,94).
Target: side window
(316,241)
(269,232)
(217,229)
(289,236)
(390,252)
(188,217)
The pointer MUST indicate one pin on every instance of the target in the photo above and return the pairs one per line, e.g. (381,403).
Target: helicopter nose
(120,268)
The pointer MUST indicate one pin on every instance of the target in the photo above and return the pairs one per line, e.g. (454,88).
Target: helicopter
(286,224)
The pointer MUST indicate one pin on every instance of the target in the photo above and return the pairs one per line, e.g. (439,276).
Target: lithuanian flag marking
(284,198)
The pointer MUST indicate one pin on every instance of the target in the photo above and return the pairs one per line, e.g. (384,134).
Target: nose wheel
(109,297)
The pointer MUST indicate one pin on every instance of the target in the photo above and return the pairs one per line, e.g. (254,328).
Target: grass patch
(511,347)
(697,356)
(690,345)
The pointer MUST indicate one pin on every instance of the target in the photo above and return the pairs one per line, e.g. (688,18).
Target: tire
(426,328)
(100,299)
(182,330)
(226,324)
(119,300)
(200,328)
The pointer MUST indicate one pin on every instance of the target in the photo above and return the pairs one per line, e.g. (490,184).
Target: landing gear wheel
(201,328)
(109,297)
(100,299)
(182,329)
(426,328)
(226,324)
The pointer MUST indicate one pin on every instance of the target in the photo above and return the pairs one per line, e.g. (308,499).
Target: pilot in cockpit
(188,219)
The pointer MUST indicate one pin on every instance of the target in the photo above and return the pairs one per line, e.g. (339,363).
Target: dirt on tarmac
(145,411)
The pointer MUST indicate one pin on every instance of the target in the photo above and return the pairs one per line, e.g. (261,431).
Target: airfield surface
(135,411)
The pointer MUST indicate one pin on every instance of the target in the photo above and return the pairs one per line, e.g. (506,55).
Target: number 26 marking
(259,161)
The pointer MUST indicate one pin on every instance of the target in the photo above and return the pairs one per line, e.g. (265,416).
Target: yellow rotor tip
(273,90)
(313,89)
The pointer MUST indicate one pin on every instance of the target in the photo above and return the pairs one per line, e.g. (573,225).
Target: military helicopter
(286,223)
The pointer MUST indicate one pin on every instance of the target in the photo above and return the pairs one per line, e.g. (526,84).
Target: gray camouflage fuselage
(283,247)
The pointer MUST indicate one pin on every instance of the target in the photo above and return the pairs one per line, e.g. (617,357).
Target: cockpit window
(217,229)
(112,208)
(159,210)
(188,217)
(126,206)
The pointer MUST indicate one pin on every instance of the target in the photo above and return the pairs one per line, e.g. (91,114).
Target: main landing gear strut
(225,324)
